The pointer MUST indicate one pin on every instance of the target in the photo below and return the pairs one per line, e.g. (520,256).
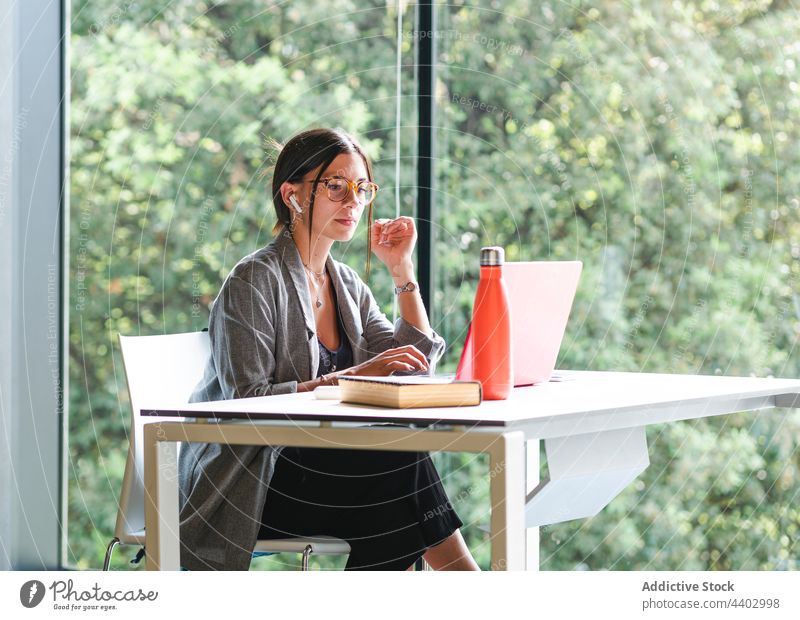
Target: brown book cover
(407,392)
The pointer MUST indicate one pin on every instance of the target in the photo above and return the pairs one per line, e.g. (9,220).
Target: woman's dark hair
(315,148)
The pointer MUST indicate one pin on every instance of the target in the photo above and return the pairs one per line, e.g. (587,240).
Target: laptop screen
(541,294)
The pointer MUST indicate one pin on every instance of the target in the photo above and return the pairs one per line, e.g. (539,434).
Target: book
(406,392)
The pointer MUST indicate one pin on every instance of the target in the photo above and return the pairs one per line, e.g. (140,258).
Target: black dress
(389,506)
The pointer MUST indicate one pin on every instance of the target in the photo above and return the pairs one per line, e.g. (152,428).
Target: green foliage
(656,142)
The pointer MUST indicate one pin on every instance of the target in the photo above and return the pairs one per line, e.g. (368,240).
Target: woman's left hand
(393,240)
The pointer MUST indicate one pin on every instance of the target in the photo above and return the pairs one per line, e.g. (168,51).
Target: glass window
(171,108)
(655,142)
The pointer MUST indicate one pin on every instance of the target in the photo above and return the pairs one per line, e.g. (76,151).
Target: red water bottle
(492,363)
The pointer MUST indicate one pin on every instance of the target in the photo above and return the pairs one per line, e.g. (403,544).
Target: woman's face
(333,220)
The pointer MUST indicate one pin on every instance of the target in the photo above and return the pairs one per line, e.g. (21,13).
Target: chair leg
(109,550)
(306,553)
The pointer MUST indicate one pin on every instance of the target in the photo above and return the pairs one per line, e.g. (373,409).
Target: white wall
(6,238)
(31,315)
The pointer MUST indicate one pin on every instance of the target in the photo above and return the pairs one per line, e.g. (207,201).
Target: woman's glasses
(338,188)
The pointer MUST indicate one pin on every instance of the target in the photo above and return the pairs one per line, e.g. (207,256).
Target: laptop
(541,295)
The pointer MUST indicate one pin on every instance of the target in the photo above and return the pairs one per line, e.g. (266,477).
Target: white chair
(166,369)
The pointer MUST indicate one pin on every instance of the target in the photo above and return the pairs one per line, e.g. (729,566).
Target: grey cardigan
(263,342)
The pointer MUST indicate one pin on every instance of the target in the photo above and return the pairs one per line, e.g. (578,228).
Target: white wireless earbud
(296,205)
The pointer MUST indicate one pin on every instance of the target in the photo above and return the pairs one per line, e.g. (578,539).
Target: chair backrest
(163,371)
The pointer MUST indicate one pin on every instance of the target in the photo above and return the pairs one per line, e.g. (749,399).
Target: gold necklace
(317,288)
(321,274)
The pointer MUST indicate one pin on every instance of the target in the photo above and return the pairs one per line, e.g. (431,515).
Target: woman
(290,318)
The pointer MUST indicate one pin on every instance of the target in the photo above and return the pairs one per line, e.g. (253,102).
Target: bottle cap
(492,256)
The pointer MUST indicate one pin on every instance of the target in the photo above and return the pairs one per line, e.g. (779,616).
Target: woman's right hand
(406,358)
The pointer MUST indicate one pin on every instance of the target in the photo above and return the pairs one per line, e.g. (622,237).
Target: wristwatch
(407,287)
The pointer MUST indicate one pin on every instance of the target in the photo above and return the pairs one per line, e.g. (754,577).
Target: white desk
(593,428)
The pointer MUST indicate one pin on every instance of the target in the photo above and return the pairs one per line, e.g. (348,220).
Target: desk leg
(531,482)
(507,492)
(161,501)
